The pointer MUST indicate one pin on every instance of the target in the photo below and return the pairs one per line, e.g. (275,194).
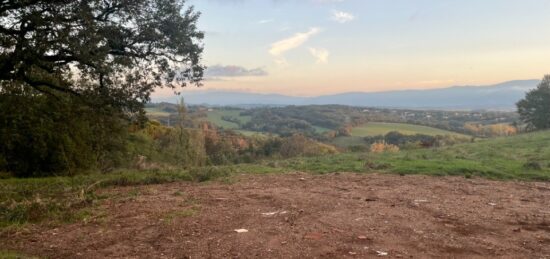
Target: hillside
(525,156)
(495,97)
(106,210)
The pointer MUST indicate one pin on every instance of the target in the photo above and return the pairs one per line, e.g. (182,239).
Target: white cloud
(216,71)
(342,17)
(280,47)
(320,54)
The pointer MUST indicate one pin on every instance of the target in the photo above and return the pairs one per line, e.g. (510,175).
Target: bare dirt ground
(305,216)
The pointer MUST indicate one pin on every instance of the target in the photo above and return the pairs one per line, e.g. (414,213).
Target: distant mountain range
(493,97)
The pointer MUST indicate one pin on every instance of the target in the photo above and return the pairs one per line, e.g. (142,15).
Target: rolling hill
(493,97)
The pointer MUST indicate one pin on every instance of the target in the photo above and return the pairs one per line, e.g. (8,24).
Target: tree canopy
(74,73)
(118,49)
(535,108)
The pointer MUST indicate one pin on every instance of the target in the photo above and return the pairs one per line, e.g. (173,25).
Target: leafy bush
(44,135)
(383,147)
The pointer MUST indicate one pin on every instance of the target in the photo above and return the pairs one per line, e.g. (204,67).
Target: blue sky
(312,47)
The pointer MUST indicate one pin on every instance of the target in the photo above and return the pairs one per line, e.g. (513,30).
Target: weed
(203,174)
(533,165)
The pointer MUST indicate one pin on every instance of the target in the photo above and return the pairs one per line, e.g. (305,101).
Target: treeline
(338,120)
(286,121)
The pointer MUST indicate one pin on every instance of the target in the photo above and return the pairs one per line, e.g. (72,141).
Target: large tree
(535,108)
(119,50)
(72,72)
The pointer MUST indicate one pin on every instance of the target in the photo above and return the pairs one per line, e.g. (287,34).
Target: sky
(317,47)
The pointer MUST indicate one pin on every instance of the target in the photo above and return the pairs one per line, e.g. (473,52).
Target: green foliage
(534,110)
(161,146)
(44,135)
(67,92)
(118,50)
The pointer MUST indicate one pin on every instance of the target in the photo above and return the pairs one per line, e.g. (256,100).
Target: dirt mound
(300,215)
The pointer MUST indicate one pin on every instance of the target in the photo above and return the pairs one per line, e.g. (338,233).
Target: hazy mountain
(500,96)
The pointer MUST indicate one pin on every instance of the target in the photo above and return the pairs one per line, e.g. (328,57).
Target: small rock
(242,230)
(381,253)
(302,179)
(352,253)
(362,237)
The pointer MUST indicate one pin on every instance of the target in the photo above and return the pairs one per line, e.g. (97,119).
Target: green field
(381,128)
(154,112)
(215,117)
(525,157)
(372,129)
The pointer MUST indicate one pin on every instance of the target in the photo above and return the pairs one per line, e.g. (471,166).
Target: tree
(119,50)
(534,110)
(74,73)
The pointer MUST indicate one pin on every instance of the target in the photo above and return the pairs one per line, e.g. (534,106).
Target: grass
(320,129)
(215,117)
(523,157)
(380,128)
(372,129)
(347,141)
(70,199)
(156,112)
(60,198)
(14,255)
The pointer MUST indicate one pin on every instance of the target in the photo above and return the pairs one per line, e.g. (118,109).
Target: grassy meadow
(215,117)
(381,128)
(372,129)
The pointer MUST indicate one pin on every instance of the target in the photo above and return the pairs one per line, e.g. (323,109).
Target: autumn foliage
(383,147)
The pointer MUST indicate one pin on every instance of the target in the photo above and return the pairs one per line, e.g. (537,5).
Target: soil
(307,216)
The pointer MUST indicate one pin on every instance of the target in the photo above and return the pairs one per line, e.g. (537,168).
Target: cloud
(320,54)
(342,17)
(280,47)
(217,71)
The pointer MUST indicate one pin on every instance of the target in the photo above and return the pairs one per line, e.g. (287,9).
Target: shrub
(383,147)
(203,174)
(299,145)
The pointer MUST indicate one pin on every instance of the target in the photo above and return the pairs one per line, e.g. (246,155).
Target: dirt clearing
(302,215)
